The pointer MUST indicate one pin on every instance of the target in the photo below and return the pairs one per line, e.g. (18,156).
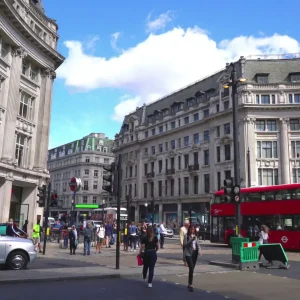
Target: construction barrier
(236,243)
(274,253)
(249,256)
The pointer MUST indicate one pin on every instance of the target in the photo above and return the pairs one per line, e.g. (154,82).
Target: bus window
(254,197)
(297,222)
(269,196)
(295,194)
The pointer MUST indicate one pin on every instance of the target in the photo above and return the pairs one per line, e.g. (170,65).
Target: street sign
(87,206)
(75,184)
(237,198)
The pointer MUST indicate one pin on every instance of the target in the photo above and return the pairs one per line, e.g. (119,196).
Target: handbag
(76,242)
(139,260)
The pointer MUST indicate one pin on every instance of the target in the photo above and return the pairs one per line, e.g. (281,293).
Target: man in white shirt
(163,233)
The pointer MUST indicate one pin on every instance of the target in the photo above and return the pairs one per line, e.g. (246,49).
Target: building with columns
(83,159)
(28,60)
(178,150)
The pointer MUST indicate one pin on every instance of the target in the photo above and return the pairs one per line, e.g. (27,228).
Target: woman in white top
(100,237)
(263,237)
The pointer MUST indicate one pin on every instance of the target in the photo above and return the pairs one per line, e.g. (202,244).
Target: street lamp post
(234,81)
(103,202)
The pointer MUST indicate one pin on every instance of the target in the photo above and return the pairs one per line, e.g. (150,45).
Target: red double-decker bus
(276,206)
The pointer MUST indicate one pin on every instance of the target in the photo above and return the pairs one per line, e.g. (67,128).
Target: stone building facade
(83,159)
(178,150)
(28,60)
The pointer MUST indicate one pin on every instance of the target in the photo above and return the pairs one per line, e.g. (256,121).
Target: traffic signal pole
(236,155)
(118,192)
(46,217)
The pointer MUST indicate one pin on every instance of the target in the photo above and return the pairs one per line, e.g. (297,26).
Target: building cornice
(7,8)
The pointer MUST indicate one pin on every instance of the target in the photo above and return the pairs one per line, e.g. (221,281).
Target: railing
(170,171)
(150,175)
(194,168)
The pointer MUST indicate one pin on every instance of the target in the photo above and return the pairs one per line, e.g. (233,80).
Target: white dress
(263,236)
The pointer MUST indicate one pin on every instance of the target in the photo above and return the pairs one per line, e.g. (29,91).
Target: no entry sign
(75,184)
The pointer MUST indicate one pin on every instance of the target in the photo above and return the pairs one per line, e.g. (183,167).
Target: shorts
(100,240)
(36,240)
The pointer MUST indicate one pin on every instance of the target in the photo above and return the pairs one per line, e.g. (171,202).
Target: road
(116,289)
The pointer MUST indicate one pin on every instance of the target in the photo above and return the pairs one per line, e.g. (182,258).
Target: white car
(16,253)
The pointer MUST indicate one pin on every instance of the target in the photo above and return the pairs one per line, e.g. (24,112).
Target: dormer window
(295,77)
(262,78)
(191,101)
(151,118)
(176,106)
(165,112)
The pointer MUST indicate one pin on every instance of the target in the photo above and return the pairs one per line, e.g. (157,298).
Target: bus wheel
(229,241)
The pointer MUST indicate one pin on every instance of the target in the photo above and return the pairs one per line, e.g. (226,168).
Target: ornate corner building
(28,60)
(83,159)
(178,150)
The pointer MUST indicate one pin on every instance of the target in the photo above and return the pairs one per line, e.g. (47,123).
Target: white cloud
(162,63)
(160,22)
(114,38)
(90,45)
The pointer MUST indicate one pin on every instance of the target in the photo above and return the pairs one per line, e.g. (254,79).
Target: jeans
(150,258)
(133,242)
(191,261)
(87,247)
(162,241)
(66,242)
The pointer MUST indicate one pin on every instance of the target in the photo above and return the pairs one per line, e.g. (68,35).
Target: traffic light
(54,200)
(110,178)
(42,195)
(228,189)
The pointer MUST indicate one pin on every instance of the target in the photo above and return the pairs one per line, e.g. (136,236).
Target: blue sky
(121,54)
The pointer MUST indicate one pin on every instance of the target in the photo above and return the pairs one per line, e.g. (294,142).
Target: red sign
(73,184)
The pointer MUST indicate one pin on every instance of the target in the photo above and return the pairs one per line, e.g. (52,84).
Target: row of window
(271,99)
(167,187)
(77,160)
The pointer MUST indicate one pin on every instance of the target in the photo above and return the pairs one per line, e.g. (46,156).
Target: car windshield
(97,223)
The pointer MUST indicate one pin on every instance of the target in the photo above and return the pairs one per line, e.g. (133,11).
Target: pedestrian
(163,233)
(87,238)
(149,247)
(24,228)
(65,236)
(263,237)
(100,237)
(36,235)
(133,236)
(108,234)
(191,250)
(182,232)
(73,237)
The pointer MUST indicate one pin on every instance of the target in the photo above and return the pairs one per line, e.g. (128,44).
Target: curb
(224,264)
(60,278)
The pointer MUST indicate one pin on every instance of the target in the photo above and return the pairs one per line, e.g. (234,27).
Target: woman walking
(149,247)
(263,237)
(191,250)
(73,237)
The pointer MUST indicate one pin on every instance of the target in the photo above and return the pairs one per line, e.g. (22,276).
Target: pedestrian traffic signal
(110,178)
(42,195)
(54,200)
(228,189)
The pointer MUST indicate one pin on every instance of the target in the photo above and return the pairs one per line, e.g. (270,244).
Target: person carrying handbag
(73,237)
(191,251)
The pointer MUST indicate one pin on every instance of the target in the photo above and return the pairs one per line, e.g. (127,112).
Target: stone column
(5,196)
(251,142)
(43,123)
(137,213)
(284,152)
(179,214)
(13,105)
(160,213)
